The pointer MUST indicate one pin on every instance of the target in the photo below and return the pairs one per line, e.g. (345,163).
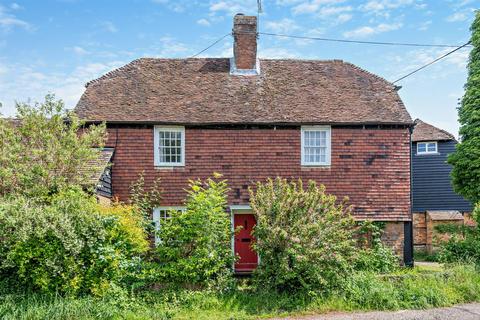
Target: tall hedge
(466,159)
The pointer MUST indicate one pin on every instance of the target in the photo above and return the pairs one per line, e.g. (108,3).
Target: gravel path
(461,312)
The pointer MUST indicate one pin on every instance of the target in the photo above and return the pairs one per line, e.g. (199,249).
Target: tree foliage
(42,151)
(304,238)
(466,159)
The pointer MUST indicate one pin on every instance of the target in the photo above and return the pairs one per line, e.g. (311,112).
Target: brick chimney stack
(245,41)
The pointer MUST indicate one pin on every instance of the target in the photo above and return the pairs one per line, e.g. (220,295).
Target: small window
(169,146)
(426,147)
(161,214)
(316,146)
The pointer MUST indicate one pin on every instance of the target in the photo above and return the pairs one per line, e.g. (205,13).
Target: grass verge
(405,289)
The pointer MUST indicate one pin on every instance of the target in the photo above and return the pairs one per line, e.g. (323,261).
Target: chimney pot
(245,41)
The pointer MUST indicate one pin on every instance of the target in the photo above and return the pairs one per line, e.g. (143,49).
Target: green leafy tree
(466,159)
(304,238)
(47,149)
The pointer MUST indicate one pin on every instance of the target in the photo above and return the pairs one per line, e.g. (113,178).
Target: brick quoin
(370,166)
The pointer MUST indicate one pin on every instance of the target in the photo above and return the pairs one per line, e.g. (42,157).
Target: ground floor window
(161,214)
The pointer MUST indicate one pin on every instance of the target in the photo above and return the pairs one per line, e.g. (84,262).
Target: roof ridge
(437,128)
(369,73)
(113,72)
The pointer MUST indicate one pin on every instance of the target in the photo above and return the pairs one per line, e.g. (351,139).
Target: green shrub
(67,246)
(304,239)
(195,245)
(464,245)
(373,255)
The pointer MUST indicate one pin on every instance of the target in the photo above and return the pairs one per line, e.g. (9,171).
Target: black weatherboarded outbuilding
(432,187)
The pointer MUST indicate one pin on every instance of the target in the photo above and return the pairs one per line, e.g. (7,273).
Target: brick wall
(370,166)
(394,236)
(419,230)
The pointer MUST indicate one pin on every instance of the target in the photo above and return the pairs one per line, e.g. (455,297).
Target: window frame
(328,153)
(426,147)
(156,145)
(157,221)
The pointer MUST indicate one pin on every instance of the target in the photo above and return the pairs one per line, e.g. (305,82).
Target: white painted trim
(244,72)
(426,147)
(328,136)
(240,207)
(156,218)
(156,151)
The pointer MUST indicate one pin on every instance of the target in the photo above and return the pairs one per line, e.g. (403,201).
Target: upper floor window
(316,145)
(426,147)
(169,146)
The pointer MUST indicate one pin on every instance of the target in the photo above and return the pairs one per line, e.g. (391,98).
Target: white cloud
(231,7)
(15,6)
(168,47)
(366,31)
(3,69)
(21,83)
(177,6)
(342,18)
(380,5)
(413,59)
(277,53)
(282,26)
(9,21)
(109,26)
(314,6)
(203,22)
(458,16)
(328,10)
(425,25)
(79,50)
(384,7)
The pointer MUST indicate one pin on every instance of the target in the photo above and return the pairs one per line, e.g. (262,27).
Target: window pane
(432,147)
(315,146)
(422,147)
(170,146)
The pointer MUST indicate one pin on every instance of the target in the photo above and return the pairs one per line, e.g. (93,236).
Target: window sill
(428,154)
(170,168)
(316,166)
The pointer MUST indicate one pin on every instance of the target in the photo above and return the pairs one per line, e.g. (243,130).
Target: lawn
(415,288)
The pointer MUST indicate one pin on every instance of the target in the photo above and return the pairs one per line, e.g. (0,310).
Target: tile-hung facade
(250,119)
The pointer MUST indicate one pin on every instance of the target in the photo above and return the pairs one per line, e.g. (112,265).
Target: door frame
(239,209)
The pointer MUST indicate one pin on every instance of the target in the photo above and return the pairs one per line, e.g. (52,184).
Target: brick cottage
(249,119)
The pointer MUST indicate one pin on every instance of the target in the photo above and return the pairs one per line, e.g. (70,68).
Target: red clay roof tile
(202,91)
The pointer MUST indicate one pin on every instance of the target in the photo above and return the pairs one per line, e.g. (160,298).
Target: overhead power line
(361,42)
(211,45)
(432,62)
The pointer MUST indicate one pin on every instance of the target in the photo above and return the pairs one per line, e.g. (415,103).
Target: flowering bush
(305,240)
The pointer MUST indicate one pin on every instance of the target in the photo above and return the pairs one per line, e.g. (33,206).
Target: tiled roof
(426,132)
(445,215)
(202,91)
(101,163)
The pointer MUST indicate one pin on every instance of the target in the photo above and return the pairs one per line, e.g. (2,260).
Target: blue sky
(58,45)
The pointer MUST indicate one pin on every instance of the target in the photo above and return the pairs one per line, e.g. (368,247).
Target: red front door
(247,258)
